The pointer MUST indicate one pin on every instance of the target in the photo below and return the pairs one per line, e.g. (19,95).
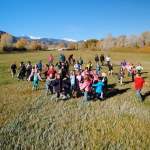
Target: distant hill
(48,41)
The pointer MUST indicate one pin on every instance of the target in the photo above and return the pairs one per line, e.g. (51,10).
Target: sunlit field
(31,120)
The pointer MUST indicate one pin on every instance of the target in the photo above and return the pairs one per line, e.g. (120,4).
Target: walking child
(139,68)
(98,68)
(133,70)
(110,69)
(13,69)
(36,79)
(72,78)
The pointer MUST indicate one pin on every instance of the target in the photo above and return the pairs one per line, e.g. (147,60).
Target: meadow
(31,120)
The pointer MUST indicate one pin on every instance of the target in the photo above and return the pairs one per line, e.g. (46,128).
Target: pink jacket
(95,77)
(84,73)
(51,58)
(86,86)
(128,67)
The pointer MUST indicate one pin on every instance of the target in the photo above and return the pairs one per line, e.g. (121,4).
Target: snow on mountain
(70,40)
(30,37)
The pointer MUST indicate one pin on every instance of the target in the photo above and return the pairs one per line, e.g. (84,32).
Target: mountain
(47,41)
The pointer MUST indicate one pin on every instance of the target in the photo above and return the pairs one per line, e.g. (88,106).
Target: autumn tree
(61,45)
(6,41)
(22,44)
(34,45)
(72,46)
(90,43)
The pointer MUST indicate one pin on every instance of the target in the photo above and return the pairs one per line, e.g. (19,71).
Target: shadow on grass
(116,92)
(146,94)
(143,72)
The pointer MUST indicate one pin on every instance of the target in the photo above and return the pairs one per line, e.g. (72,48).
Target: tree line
(107,43)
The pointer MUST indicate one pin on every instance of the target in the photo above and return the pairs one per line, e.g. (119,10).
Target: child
(133,70)
(28,69)
(95,80)
(77,66)
(36,79)
(58,64)
(51,59)
(49,84)
(98,86)
(128,67)
(98,68)
(66,84)
(79,83)
(138,81)
(80,61)
(85,72)
(139,67)
(108,60)
(104,89)
(13,69)
(58,86)
(91,80)
(72,78)
(52,70)
(121,75)
(63,72)
(89,66)
(46,70)
(86,87)
(39,65)
(110,69)
(22,71)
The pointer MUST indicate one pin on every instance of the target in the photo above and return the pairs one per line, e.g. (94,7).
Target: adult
(102,59)
(80,61)
(108,60)
(51,59)
(39,65)
(60,57)
(123,64)
(96,58)
(69,58)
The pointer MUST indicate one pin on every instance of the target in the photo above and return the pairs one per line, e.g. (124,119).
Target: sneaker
(33,89)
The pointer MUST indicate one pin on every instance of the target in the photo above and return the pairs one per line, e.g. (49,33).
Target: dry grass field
(31,120)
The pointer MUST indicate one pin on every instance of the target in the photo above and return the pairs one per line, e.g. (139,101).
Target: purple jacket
(58,85)
(123,63)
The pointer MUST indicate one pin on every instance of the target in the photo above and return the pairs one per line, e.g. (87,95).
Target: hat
(28,61)
(21,62)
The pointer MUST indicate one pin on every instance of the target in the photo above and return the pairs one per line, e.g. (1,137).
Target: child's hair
(91,76)
(78,73)
(100,78)
(86,77)
(104,74)
(46,65)
(67,76)
(86,68)
(58,75)
(138,74)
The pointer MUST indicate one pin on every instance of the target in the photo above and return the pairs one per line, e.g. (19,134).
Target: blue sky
(75,19)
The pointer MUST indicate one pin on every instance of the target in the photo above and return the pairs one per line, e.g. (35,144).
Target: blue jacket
(72,78)
(40,65)
(99,87)
(60,56)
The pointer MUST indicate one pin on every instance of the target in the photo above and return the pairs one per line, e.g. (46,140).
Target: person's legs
(132,77)
(121,80)
(86,96)
(51,89)
(36,84)
(139,94)
(47,88)
(128,73)
(111,72)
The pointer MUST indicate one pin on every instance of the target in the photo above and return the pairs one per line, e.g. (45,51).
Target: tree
(61,45)
(145,37)
(22,44)
(34,45)
(72,46)
(90,43)
(6,41)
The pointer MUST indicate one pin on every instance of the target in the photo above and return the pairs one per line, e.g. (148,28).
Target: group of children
(65,82)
